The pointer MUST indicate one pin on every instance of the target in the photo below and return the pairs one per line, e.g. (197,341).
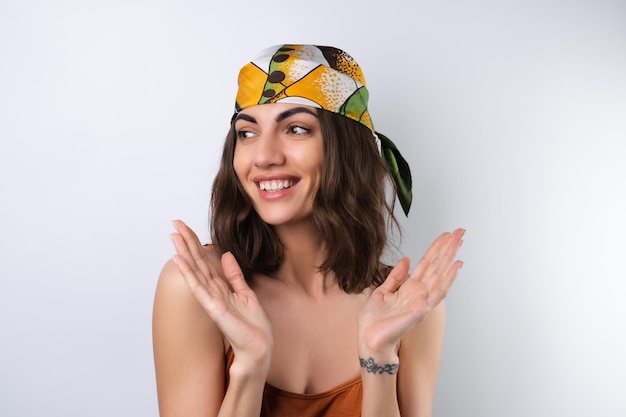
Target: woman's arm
(420,356)
(188,351)
(408,389)
(406,312)
(194,310)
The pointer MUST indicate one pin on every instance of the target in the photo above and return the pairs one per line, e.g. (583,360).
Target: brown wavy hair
(350,209)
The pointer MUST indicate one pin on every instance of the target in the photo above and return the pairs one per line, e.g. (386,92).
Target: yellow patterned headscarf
(322,77)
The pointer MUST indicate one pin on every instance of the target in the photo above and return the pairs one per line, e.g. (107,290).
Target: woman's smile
(275,188)
(272,185)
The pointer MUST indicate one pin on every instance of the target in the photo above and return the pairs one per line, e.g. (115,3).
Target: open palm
(230,303)
(404,300)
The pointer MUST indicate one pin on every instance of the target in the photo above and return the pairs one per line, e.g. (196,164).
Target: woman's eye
(298,130)
(244,134)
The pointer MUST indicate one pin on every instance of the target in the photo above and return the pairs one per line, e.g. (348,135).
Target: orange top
(342,401)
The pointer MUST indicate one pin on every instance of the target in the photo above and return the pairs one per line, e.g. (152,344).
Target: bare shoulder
(420,356)
(174,304)
(186,343)
(171,286)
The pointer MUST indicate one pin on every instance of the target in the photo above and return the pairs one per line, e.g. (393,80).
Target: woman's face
(278,159)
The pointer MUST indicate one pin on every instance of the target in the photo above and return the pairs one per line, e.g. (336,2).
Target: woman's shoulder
(174,303)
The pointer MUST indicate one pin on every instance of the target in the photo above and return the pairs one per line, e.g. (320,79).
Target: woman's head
(323,77)
(346,193)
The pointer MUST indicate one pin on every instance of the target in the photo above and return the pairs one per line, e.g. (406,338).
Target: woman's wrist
(244,393)
(378,359)
(248,371)
(379,370)
(375,346)
(252,365)
(372,365)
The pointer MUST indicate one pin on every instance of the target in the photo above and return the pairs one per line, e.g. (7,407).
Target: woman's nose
(269,151)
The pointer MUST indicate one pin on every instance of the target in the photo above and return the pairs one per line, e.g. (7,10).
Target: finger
(441,263)
(430,255)
(440,291)
(441,273)
(210,295)
(439,255)
(182,249)
(233,273)
(397,276)
(195,249)
(196,285)
(191,239)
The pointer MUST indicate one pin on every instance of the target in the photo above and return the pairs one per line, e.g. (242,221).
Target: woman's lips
(274,187)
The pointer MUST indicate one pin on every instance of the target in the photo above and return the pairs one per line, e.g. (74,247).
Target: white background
(512,115)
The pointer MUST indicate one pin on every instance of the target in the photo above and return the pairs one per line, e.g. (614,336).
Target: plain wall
(512,115)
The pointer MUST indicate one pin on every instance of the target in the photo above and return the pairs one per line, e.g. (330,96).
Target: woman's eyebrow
(243,116)
(290,112)
(281,116)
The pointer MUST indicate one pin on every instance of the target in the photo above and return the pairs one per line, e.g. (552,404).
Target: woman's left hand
(401,302)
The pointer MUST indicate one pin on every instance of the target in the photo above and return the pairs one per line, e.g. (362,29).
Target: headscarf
(323,77)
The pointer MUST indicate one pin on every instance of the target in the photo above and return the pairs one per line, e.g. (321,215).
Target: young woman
(290,311)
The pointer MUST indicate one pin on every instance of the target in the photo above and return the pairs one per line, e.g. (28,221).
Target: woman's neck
(303,255)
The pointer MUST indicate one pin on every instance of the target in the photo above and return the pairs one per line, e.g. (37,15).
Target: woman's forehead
(274,110)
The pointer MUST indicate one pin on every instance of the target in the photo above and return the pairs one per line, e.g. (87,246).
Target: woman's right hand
(235,308)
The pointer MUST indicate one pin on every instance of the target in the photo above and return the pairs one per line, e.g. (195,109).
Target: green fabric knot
(400,171)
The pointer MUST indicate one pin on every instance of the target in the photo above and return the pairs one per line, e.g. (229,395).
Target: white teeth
(275,185)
